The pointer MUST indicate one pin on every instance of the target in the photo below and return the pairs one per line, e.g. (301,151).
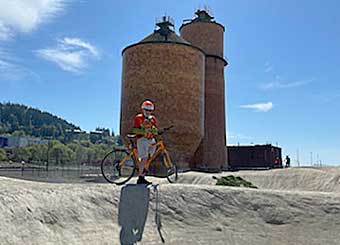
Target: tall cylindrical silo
(169,71)
(207,34)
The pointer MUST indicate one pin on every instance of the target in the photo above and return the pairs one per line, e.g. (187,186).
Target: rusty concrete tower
(169,71)
(205,33)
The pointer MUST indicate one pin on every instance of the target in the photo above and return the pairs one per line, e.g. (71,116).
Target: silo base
(207,169)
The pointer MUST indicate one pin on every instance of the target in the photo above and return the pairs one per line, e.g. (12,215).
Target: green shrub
(231,180)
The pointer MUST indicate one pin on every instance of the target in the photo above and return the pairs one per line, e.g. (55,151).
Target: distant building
(96,132)
(74,134)
(3,141)
(75,131)
(256,156)
(19,141)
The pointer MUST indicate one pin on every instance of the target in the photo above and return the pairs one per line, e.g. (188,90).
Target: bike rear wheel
(118,167)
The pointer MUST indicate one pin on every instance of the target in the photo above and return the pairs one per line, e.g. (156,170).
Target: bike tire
(172,172)
(112,168)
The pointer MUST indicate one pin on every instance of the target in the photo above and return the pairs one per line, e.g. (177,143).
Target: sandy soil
(291,206)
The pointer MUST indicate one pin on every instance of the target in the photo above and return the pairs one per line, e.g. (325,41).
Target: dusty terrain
(291,206)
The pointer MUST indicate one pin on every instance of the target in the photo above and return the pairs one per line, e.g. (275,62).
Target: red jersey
(141,122)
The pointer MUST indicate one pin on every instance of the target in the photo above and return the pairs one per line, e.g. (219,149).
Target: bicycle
(120,165)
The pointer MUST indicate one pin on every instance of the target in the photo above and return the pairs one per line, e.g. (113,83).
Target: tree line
(57,153)
(64,143)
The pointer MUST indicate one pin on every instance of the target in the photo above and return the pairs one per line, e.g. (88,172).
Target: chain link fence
(56,173)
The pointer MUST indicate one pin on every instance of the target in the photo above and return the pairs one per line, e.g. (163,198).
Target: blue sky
(64,57)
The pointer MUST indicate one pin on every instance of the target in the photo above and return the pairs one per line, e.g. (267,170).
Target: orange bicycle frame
(160,148)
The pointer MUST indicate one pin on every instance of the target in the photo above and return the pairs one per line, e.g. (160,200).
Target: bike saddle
(131,136)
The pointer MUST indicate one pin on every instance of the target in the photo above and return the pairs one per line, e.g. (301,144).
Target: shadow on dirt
(132,213)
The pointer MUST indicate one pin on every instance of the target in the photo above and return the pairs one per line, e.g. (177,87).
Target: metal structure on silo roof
(169,71)
(207,34)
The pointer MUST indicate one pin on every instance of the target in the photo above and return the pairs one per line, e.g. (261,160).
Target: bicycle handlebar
(165,129)
(168,128)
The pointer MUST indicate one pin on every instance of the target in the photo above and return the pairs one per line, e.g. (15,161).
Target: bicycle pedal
(153,186)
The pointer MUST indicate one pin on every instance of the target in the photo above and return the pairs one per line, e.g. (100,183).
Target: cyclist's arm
(154,126)
(138,131)
(137,126)
(154,130)
(142,131)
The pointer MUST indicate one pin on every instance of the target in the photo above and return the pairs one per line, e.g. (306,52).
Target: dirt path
(200,213)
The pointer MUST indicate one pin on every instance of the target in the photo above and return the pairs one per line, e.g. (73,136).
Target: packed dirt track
(290,206)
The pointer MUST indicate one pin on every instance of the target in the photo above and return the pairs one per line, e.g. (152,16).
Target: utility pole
(49,146)
(297,158)
(311,158)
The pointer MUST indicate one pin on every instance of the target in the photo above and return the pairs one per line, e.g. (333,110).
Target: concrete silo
(169,71)
(205,33)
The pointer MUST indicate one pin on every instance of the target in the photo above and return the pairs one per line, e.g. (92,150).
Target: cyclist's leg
(142,148)
(150,150)
(151,147)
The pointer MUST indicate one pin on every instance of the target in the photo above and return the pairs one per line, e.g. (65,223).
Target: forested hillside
(30,121)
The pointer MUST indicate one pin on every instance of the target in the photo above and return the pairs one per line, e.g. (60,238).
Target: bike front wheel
(118,167)
(171,168)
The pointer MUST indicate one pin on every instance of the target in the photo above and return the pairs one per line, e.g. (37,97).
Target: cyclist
(145,128)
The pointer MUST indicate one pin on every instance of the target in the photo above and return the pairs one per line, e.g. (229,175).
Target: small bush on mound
(234,181)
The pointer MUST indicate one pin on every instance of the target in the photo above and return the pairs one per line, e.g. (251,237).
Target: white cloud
(5,33)
(26,15)
(277,84)
(259,106)
(268,67)
(4,65)
(22,16)
(13,72)
(329,97)
(71,54)
(3,54)
(77,42)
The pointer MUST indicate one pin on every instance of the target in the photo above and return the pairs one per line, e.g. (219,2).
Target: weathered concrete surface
(43,213)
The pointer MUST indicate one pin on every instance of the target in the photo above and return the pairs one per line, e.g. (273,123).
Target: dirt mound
(42,213)
(326,179)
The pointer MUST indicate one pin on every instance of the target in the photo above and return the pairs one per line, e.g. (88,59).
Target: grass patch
(231,180)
